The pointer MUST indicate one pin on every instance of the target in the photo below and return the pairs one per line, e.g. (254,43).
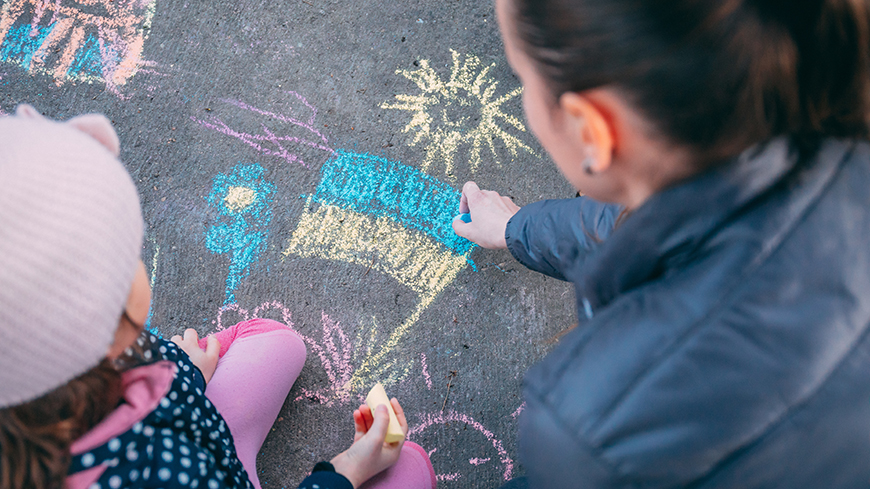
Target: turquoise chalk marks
(22,42)
(242,199)
(89,59)
(376,186)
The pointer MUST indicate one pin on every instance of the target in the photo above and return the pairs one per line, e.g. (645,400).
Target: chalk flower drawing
(389,217)
(76,40)
(337,354)
(268,142)
(461,111)
(242,199)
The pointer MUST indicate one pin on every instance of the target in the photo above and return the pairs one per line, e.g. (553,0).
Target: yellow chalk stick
(378,396)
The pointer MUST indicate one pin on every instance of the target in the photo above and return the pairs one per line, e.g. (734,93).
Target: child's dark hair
(716,76)
(35,437)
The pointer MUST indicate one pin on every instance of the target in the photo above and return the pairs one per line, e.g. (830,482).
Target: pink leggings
(259,361)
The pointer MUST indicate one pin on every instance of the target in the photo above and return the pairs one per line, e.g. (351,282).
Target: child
(724,336)
(87,399)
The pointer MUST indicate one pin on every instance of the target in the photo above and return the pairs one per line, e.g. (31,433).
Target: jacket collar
(674,223)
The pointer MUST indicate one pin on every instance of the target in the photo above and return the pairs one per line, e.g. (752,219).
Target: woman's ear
(591,126)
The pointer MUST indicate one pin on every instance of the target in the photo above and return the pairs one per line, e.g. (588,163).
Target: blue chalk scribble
(89,59)
(242,200)
(21,43)
(376,186)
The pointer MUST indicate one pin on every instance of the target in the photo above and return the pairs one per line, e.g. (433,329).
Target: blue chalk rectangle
(376,186)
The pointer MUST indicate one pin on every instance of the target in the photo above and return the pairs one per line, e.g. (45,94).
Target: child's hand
(206,360)
(369,455)
(490,213)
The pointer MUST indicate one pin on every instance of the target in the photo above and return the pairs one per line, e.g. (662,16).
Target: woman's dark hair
(716,76)
(35,437)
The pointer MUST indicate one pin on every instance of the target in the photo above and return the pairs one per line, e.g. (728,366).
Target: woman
(723,320)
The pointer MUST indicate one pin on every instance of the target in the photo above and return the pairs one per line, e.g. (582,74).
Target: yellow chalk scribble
(388,374)
(460,111)
(239,198)
(410,257)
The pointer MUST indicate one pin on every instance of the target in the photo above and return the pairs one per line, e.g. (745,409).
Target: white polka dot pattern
(160,450)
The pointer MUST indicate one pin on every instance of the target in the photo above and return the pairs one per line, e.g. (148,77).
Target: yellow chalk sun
(239,198)
(459,112)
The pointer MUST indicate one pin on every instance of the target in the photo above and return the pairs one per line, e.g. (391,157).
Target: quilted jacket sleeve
(553,236)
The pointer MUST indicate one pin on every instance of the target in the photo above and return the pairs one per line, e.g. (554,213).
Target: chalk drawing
(337,354)
(242,199)
(440,419)
(519,410)
(389,218)
(425,371)
(462,111)
(76,40)
(268,142)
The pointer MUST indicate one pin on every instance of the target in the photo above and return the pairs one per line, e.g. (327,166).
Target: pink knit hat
(70,238)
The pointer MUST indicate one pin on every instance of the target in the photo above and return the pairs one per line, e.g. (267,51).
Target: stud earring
(587,165)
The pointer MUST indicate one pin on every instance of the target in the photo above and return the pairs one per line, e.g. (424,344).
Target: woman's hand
(369,455)
(206,361)
(490,213)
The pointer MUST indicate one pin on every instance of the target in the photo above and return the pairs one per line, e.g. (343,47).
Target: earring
(587,165)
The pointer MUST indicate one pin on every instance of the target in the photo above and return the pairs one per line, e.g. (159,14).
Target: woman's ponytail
(834,69)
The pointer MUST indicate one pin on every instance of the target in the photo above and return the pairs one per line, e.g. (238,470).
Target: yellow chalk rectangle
(411,257)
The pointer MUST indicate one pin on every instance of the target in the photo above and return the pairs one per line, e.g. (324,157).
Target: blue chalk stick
(466,217)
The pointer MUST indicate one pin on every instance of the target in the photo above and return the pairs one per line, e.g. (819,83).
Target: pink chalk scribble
(267,142)
(478,461)
(432,419)
(425,372)
(448,477)
(336,360)
(519,410)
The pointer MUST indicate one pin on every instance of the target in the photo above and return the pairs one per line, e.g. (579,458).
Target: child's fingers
(213,348)
(358,423)
(359,426)
(367,417)
(176,339)
(380,423)
(400,414)
(191,336)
